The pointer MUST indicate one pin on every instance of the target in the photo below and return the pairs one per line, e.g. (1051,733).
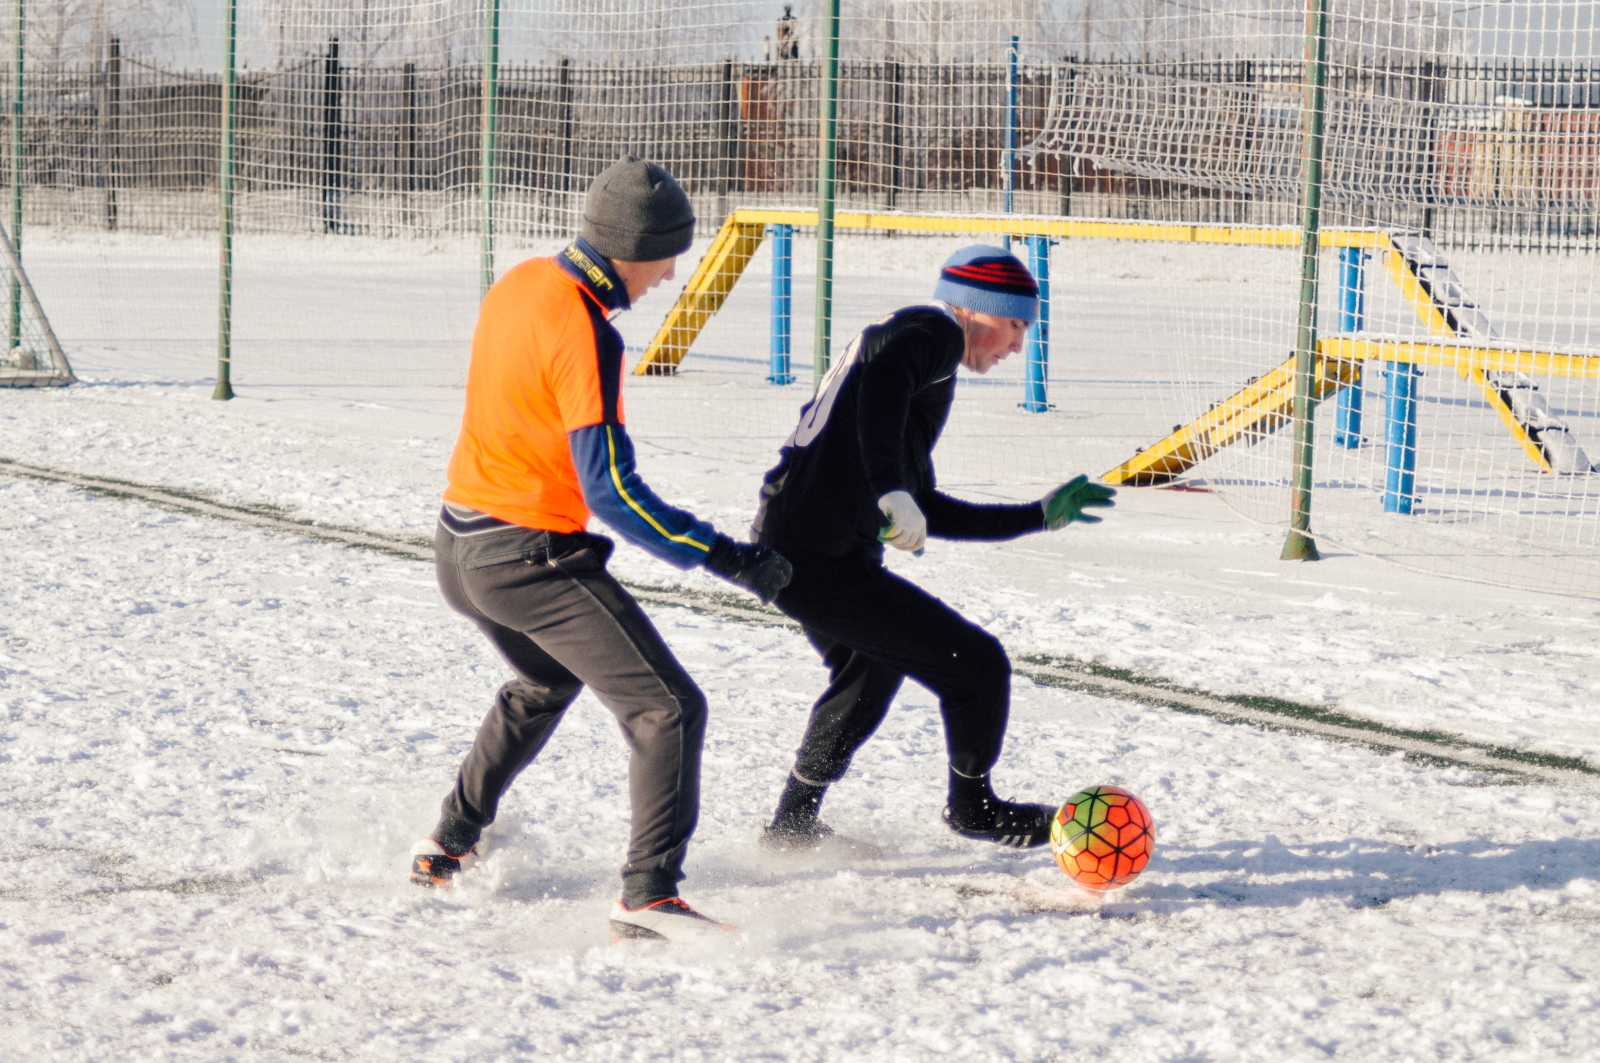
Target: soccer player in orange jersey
(542,447)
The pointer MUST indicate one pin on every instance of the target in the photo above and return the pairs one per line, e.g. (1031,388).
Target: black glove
(752,566)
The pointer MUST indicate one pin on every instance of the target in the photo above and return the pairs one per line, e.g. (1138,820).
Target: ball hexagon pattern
(1102,837)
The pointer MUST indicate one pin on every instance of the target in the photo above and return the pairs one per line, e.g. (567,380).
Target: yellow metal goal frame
(741,235)
(1257,408)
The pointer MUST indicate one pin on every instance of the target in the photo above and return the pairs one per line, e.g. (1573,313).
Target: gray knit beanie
(636,212)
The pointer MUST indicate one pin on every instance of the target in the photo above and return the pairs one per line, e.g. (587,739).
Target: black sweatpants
(873,629)
(562,622)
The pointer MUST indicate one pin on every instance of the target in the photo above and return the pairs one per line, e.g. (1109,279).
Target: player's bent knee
(984,662)
(523,700)
(988,655)
(692,707)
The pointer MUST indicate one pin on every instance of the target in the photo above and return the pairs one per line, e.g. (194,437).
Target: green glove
(1067,503)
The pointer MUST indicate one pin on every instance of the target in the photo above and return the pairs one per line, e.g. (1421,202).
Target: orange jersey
(545,362)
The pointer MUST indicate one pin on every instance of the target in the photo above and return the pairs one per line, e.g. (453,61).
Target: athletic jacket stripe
(614,491)
(644,513)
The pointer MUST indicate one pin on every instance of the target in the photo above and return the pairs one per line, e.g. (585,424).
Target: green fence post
(1299,546)
(491,90)
(224,388)
(825,170)
(16,170)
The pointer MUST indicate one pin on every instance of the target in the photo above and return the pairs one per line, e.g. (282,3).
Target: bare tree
(369,31)
(66,33)
(932,31)
(1395,30)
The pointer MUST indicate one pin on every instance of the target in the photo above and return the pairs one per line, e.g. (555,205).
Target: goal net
(1145,154)
(30,354)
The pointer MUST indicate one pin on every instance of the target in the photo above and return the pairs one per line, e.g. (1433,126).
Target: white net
(1461,170)
(30,354)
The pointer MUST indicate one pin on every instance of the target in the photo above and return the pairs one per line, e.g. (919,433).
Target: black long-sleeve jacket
(871,429)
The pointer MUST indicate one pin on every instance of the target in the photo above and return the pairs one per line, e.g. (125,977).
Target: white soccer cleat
(668,920)
(433,868)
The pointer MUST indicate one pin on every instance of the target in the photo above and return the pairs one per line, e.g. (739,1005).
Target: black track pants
(873,629)
(558,618)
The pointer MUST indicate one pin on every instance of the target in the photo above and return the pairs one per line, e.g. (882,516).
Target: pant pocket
(580,551)
(501,548)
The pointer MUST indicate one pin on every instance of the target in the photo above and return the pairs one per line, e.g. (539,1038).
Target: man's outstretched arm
(614,492)
(951,518)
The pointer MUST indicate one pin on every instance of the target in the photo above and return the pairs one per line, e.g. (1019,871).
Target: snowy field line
(181,501)
(1433,747)
(1436,748)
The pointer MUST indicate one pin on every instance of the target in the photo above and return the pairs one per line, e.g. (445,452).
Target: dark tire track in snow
(1434,748)
(177,500)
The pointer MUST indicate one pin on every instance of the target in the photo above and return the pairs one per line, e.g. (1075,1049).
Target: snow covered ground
(218,744)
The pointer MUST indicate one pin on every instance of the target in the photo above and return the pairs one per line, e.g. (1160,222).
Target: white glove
(908,528)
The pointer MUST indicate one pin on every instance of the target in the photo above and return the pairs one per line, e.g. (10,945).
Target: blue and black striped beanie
(989,280)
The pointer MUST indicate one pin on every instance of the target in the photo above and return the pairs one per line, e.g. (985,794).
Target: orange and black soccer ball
(1102,837)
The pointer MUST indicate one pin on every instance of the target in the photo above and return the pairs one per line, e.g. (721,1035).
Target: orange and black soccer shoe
(434,868)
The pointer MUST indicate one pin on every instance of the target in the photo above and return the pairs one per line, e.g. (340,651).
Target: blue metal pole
(1400,459)
(1035,397)
(1009,177)
(1352,319)
(778,371)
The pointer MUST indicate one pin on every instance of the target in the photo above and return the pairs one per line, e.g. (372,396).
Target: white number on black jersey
(814,415)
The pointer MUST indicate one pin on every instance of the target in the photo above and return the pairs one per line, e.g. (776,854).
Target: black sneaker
(795,837)
(668,920)
(1006,822)
(434,868)
(816,838)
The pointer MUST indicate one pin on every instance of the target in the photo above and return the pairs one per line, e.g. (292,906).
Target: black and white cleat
(669,920)
(1007,823)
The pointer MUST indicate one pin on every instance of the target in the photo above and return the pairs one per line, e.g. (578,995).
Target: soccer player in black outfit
(858,473)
